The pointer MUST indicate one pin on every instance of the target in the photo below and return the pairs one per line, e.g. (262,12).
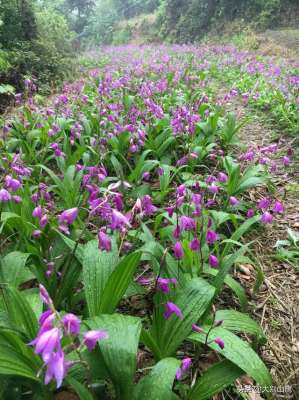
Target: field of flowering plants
(125,207)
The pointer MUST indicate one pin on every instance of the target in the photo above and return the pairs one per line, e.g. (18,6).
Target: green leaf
(13,363)
(193,300)
(118,282)
(238,352)
(158,384)
(21,355)
(239,322)
(97,268)
(119,351)
(13,270)
(19,311)
(225,267)
(81,390)
(214,380)
(79,253)
(240,232)
(234,286)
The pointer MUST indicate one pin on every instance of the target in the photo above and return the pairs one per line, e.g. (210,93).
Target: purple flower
(91,338)
(44,316)
(180,191)
(104,241)
(163,284)
(36,233)
(118,201)
(286,161)
(213,261)
(118,220)
(220,343)
(222,177)
(37,212)
(177,232)
(46,320)
(68,216)
(71,324)
(148,206)
(187,223)
(43,221)
(196,199)
(278,207)
(185,365)
(44,295)
(250,213)
(194,245)
(46,343)
(214,189)
(267,218)
(146,176)
(160,171)
(263,204)
(171,308)
(178,251)
(12,184)
(211,237)
(196,328)
(4,196)
(170,211)
(57,368)
(17,199)
(233,201)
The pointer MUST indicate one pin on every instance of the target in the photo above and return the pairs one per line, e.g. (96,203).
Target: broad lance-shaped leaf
(97,268)
(158,384)
(225,267)
(17,358)
(233,285)
(193,300)
(214,380)
(13,363)
(119,351)
(79,253)
(80,389)
(240,232)
(13,270)
(19,311)
(238,352)
(118,282)
(239,322)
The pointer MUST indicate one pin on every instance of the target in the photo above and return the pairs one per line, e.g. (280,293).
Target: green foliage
(188,20)
(18,22)
(214,380)
(238,352)
(119,351)
(36,42)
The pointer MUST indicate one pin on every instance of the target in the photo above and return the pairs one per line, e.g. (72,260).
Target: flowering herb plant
(132,185)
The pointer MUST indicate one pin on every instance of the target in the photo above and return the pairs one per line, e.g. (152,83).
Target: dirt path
(276,305)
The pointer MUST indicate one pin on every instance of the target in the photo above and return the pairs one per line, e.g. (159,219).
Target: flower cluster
(48,343)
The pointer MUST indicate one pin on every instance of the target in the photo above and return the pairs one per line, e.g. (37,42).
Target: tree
(80,11)
(18,22)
